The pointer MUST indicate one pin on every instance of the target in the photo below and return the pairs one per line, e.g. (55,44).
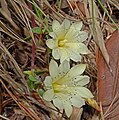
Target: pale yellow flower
(66,42)
(66,87)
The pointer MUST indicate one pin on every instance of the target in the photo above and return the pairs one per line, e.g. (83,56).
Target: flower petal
(83,80)
(55,53)
(77,26)
(73,31)
(76,70)
(52,34)
(60,30)
(77,101)
(84,92)
(48,95)
(73,50)
(74,55)
(77,48)
(72,45)
(68,108)
(53,69)
(83,48)
(82,36)
(63,55)
(65,25)
(55,26)
(51,43)
(58,103)
(80,80)
(48,81)
(62,95)
(64,67)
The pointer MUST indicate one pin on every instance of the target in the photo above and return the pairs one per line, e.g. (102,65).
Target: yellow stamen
(61,42)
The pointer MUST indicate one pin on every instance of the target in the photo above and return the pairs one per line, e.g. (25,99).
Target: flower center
(59,88)
(59,85)
(61,43)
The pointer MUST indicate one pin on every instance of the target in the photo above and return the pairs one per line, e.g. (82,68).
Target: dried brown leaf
(108,82)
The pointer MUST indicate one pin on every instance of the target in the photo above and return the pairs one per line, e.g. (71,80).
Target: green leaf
(40,72)
(32,78)
(40,92)
(28,72)
(37,30)
(30,84)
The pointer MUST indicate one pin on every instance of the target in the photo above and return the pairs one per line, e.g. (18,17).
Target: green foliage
(37,30)
(34,80)
(40,92)
(37,9)
(43,18)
